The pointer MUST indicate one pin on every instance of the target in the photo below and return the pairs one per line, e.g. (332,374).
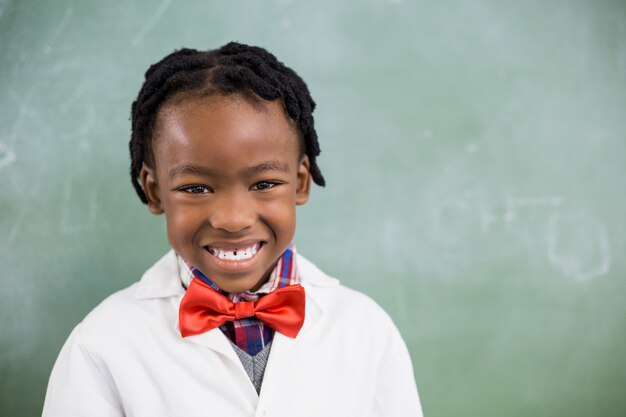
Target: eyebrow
(268,166)
(265,166)
(188,169)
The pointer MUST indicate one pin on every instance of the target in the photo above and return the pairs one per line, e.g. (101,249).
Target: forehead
(225,133)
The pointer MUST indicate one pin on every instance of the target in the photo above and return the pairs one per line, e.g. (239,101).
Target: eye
(265,185)
(195,189)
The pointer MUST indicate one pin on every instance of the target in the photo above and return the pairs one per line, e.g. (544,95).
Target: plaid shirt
(250,334)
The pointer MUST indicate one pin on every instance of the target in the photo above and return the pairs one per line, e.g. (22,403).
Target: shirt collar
(284,273)
(164,278)
(162,281)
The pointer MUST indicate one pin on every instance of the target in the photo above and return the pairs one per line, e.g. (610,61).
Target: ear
(304,181)
(150,187)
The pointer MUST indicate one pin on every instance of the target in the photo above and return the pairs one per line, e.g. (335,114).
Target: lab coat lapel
(213,339)
(216,341)
(282,345)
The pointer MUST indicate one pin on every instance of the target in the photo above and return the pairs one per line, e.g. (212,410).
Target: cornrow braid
(233,68)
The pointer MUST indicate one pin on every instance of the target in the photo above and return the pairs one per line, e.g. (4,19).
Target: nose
(232,212)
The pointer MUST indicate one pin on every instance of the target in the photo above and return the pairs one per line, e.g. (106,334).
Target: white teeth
(236,254)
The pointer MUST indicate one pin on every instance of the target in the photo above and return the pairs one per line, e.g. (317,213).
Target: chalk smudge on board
(78,92)
(158,13)
(17,225)
(578,247)
(472,147)
(7,156)
(551,201)
(89,122)
(59,29)
(69,223)
(27,112)
(3,4)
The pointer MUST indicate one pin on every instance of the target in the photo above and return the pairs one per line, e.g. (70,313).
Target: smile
(234,254)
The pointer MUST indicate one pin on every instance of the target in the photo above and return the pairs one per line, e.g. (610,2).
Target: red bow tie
(203,309)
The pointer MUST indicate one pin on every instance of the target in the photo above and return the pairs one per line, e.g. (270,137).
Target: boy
(231,322)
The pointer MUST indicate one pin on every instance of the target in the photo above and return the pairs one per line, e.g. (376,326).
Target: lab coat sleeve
(396,394)
(80,385)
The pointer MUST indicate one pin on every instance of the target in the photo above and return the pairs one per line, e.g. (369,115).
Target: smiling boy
(231,322)
(229,174)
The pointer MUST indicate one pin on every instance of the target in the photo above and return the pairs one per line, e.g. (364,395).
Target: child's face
(228,175)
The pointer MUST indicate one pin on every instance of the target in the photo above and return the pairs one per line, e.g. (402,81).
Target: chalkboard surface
(475,154)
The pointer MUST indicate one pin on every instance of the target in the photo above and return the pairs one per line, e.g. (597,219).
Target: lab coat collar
(162,281)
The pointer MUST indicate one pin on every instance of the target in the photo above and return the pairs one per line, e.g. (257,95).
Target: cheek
(181,225)
(281,215)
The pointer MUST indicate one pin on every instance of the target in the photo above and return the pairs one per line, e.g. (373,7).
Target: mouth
(242,252)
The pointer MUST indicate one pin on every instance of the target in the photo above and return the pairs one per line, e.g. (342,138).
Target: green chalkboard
(475,154)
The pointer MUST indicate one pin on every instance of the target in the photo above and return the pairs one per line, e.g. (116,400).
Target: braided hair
(233,68)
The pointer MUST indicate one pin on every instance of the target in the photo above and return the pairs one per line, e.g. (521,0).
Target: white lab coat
(127,358)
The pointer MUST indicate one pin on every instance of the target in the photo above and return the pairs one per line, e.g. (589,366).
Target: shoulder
(109,319)
(144,305)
